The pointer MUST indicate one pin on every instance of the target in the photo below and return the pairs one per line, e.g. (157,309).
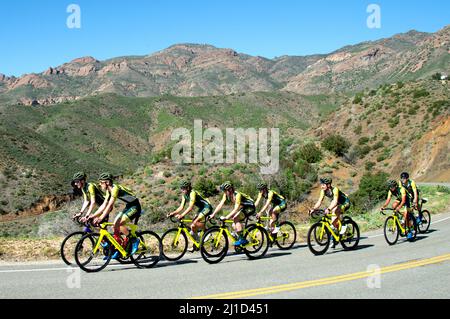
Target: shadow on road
(339,249)
(166,263)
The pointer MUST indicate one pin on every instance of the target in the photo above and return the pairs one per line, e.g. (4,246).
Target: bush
(206,187)
(369,166)
(358,130)
(363,140)
(378,145)
(420,93)
(436,76)
(371,190)
(336,144)
(310,153)
(393,122)
(362,151)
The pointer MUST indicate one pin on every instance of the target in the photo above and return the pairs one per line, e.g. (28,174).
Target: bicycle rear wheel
(318,239)
(258,242)
(425,221)
(286,236)
(67,250)
(391,230)
(85,257)
(174,244)
(350,239)
(149,251)
(214,245)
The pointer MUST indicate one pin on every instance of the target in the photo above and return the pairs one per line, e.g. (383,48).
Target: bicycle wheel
(258,242)
(149,251)
(318,239)
(214,245)
(286,236)
(67,250)
(425,221)
(174,244)
(85,257)
(391,230)
(350,239)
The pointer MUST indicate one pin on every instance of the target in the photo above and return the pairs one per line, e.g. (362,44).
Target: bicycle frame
(183,228)
(397,221)
(104,233)
(223,228)
(326,223)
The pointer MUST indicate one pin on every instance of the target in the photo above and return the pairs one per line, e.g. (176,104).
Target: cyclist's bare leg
(274,218)
(196,226)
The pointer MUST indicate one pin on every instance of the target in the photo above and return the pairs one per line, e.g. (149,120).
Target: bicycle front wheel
(91,261)
(258,242)
(286,236)
(68,245)
(425,221)
(318,239)
(149,251)
(174,244)
(214,245)
(391,230)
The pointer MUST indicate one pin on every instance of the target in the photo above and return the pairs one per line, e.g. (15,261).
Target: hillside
(204,70)
(42,146)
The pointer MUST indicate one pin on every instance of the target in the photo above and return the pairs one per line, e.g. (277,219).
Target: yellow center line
(325,281)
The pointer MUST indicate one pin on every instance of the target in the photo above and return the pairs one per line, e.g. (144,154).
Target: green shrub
(393,122)
(372,188)
(310,153)
(357,130)
(206,187)
(369,166)
(336,144)
(363,140)
(420,93)
(362,151)
(436,76)
(378,145)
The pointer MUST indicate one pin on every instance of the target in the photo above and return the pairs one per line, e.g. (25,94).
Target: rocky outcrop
(34,80)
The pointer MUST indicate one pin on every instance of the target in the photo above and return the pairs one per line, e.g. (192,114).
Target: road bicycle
(175,240)
(284,238)
(321,233)
(423,217)
(215,241)
(94,251)
(393,226)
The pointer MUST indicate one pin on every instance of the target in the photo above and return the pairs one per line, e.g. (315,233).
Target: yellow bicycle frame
(104,233)
(326,223)
(397,222)
(188,234)
(228,233)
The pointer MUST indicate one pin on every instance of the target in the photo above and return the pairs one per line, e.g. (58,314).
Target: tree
(336,144)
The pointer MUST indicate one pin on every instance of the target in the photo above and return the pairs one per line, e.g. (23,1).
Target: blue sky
(34,34)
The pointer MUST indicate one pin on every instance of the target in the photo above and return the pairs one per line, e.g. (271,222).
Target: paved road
(406,270)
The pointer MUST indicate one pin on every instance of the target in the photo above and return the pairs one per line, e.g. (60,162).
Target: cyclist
(411,190)
(274,202)
(401,203)
(92,194)
(339,202)
(244,206)
(132,211)
(195,199)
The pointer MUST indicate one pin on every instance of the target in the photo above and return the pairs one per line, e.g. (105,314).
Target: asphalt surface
(376,270)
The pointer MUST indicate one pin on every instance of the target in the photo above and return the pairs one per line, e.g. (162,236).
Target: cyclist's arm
(388,200)
(180,208)
(191,204)
(108,208)
(335,200)
(269,200)
(319,202)
(219,207)
(237,207)
(258,199)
